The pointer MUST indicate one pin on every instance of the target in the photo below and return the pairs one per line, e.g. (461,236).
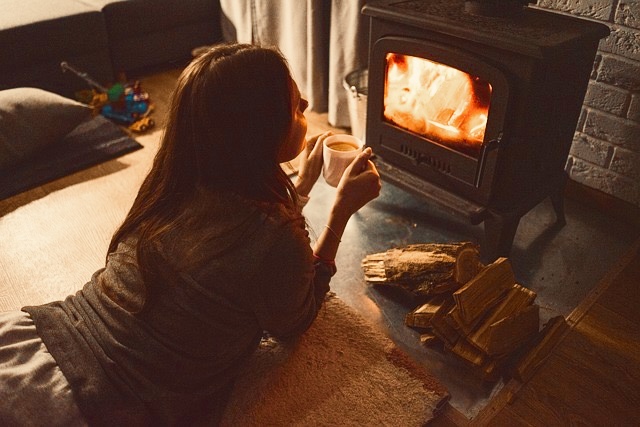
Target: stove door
(437,112)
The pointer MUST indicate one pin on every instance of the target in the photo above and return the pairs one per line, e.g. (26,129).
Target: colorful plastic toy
(124,103)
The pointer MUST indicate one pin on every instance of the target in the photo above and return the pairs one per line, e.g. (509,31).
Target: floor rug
(340,372)
(93,141)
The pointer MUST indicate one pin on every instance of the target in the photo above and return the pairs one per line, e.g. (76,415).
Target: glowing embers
(438,102)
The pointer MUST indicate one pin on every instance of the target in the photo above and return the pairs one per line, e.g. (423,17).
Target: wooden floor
(592,376)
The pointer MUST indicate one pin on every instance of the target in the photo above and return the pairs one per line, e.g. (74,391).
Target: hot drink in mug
(338,152)
(342,146)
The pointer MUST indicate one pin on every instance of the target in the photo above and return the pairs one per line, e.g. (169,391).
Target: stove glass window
(437,102)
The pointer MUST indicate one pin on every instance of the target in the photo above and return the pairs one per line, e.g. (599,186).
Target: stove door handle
(487,147)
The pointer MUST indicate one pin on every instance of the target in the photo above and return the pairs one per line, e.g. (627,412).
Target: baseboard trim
(604,202)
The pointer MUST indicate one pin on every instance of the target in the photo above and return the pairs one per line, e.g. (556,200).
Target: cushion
(145,33)
(34,32)
(126,19)
(31,119)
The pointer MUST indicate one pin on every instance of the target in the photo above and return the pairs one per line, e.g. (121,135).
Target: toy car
(142,125)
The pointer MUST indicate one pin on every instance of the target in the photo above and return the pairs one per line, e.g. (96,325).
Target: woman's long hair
(231,111)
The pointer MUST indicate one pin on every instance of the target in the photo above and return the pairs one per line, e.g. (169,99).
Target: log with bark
(424,269)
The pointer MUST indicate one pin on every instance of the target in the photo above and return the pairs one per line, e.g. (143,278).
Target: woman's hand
(310,164)
(359,185)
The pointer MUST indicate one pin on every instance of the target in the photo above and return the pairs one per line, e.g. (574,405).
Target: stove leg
(557,200)
(499,232)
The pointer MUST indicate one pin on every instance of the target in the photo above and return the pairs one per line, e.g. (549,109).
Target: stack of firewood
(477,311)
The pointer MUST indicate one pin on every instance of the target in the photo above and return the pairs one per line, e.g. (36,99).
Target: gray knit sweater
(247,268)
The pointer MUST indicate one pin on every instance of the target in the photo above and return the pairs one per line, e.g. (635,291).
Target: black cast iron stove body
(532,69)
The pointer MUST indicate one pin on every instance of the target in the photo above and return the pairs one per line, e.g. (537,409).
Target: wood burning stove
(474,112)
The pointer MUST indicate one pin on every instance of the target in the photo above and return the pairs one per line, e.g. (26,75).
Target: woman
(213,252)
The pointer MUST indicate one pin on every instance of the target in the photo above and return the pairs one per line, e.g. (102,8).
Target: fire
(436,101)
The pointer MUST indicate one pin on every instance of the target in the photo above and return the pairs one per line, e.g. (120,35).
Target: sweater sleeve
(291,286)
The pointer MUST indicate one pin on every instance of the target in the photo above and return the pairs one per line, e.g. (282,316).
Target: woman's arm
(290,286)
(359,185)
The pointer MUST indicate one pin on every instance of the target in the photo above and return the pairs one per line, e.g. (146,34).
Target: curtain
(323,41)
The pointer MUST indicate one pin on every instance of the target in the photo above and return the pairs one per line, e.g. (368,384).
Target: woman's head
(235,116)
(231,120)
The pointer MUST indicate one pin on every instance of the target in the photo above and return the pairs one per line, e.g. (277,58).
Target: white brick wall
(606,148)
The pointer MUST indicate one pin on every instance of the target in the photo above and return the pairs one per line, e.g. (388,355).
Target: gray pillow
(31,119)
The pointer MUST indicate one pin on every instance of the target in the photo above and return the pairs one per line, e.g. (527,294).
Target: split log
(540,348)
(450,319)
(484,290)
(424,269)
(515,301)
(469,352)
(510,333)
(493,368)
(421,316)
(428,339)
(460,324)
(441,327)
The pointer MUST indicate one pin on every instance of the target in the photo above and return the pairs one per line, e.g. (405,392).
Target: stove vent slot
(420,158)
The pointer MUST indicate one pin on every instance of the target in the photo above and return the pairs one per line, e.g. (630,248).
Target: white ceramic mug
(338,152)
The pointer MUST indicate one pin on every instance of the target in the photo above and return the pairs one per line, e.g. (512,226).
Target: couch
(103,38)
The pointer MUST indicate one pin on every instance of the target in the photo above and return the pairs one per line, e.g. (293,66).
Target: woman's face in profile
(296,138)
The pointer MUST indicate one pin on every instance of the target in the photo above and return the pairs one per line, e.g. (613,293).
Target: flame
(436,101)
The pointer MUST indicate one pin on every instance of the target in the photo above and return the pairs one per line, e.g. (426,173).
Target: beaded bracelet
(324,260)
(328,263)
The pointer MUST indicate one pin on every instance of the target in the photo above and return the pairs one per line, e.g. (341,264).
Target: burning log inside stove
(436,101)
(478,312)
